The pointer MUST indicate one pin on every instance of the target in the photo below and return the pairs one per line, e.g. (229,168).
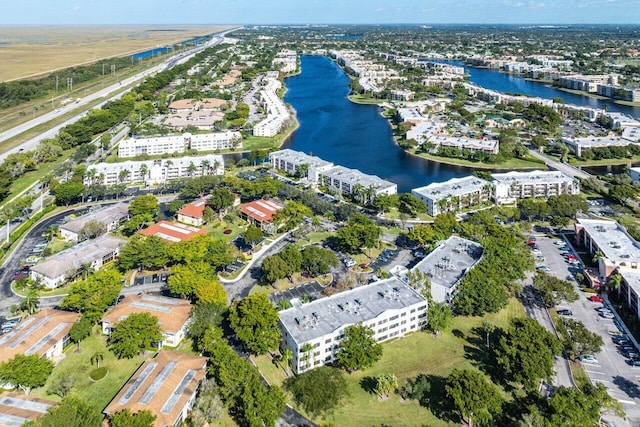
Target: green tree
(572,407)
(93,295)
(125,418)
(359,233)
(477,400)
(292,258)
(623,192)
(202,316)
(440,317)
(96,358)
(80,330)
(577,340)
(553,290)
(317,261)
(221,198)
(92,229)
(26,372)
(358,349)
(423,234)
(134,334)
(385,384)
(185,279)
(68,191)
(146,204)
(30,302)
(71,412)
(61,385)
(255,320)
(314,399)
(292,215)
(273,268)
(252,235)
(208,406)
(525,352)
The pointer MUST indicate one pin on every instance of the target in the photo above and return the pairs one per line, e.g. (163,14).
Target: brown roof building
(196,105)
(172,314)
(165,385)
(192,213)
(172,232)
(260,212)
(17,409)
(44,334)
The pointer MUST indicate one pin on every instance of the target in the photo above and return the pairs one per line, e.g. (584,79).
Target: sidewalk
(256,257)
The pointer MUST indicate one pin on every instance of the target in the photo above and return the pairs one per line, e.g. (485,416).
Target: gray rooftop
(453,187)
(354,176)
(612,239)
(299,158)
(73,258)
(449,262)
(307,322)
(105,215)
(632,277)
(533,177)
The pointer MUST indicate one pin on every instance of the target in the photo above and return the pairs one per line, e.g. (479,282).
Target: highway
(103,93)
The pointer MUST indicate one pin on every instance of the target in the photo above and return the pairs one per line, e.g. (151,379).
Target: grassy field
(604,162)
(406,358)
(78,365)
(528,163)
(359,99)
(33,50)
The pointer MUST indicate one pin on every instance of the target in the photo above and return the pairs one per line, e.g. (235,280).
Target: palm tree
(597,256)
(489,189)
(97,358)
(101,178)
(191,169)
(307,351)
(143,171)
(91,174)
(216,166)
(442,204)
(30,302)
(356,190)
(85,269)
(287,355)
(614,282)
(206,166)
(122,176)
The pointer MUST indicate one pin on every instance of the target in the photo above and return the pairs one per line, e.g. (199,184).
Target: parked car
(565,312)
(633,362)
(589,358)
(543,268)
(620,339)
(558,242)
(596,298)
(606,314)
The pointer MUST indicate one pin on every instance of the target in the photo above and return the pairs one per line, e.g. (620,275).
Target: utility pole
(56,84)
(69,84)
(113,70)
(103,68)
(7,231)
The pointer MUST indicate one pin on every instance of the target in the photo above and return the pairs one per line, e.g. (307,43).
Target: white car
(589,358)
(558,242)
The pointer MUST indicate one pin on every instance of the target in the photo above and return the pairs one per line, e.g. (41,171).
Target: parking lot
(311,290)
(610,366)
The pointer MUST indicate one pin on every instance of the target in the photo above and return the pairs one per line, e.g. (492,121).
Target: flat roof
(104,215)
(73,258)
(172,313)
(632,277)
(299,158)
(612,239)
(162,385)
(37,334)
(596,141)
(354,176)
(450,261)
(16,409)
(531,177)
(172,231)
(307,322)
(452,187)
(261,210)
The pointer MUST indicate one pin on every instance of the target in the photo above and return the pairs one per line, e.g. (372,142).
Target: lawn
(406,357)
(78,365)
(313,237)
(216,229)
(526,163)
(359,99)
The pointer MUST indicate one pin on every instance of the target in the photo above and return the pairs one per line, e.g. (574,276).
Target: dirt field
(33,50)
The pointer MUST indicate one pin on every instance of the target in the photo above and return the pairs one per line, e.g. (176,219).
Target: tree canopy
(255,320)
(314,399)
(71,412)
(134,334)
(476,398)
(26,372)
(358,349)
(125,418)
(360,232)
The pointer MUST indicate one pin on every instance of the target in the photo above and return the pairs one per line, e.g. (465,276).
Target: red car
(571,256)
(596,298)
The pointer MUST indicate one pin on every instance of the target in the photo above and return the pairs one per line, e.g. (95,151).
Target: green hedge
(19,232)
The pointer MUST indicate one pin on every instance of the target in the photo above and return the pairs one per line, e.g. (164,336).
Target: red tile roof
(261,210)
(194,210)
(172,231)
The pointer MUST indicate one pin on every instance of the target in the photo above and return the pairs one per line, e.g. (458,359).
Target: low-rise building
(578,145)
(152,172)
(206,104)
(515,185)
(290,161)
(172,232)
(179,143)
(45,334)
(463,143)
(55,270)
(611,240)
(447,264)
(17,409)
(172,313)
(277,112)
(109,216)
(165,385)
(634,173)
(348,181)
(389,307)
(260,212)
(453,195)
(192,213)
(629,289)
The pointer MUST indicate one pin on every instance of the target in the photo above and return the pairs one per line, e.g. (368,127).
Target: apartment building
(287,60)
(172,232)
(109,216)
(172,313)
(634,173)
(489,146)
(453,195)
(150,172)
(44,334)
(389,307)
(515,185)
(53,271)
(290,161)
(166,386)
(277,112)
(260,212)
(447,264)
(179,143)
(578,145)
(192,213)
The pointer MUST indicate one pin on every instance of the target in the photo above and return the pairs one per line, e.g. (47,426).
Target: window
(403,314)
(316,345)
(395,325)
(403,322)
(393,318)
(413,310)
(413,318)
(382,322)
(328,341)
(381,330)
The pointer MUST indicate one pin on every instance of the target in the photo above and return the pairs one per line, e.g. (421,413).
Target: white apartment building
(288,59)
(154,171)
(453,195)
(634,173)
(389,307)
(277,112)
(347,181)
(66,265)
(489,146)
(514,185)
(447,264)
(179,143)
(290,162)
(425,130)
(109,216)
(577,145)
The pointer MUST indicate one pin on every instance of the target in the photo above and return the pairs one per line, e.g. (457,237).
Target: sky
(109,12)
